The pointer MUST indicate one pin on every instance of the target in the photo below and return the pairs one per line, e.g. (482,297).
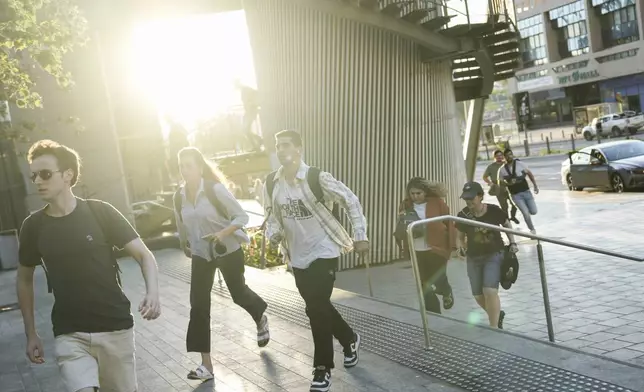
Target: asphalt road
(546,170)
(538,148)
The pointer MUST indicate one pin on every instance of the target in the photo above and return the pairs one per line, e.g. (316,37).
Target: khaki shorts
(79,354)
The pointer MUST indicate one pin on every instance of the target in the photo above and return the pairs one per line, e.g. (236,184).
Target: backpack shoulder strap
(97,208)
(270,184)
(209,189)
(514,167)
(177,201)
(36,222)
(313,178)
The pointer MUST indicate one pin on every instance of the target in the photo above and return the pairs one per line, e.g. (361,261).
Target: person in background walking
(433,243)
(484,249)
(514,174)
(314,240)
(73,239)
(210,231)
(498,188)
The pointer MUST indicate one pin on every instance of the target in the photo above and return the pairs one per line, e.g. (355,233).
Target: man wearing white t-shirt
(314,240)
(514,174)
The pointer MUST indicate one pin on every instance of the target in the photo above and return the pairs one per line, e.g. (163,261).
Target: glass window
(619,24)
(581,158)
(532,41)
(569,21)
(624,151)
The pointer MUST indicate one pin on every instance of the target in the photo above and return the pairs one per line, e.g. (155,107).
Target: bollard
(551,136)
(487,152)
(527,148)
(563,134)
(547,145)
(572,140)
(542,137)
(530,138)
(599,138)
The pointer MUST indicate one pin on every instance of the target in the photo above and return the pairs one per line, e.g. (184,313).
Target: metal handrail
(542,266)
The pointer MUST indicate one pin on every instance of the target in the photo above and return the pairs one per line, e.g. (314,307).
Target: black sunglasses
(44,174)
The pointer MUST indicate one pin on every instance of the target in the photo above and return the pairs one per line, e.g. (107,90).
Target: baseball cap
(471,190)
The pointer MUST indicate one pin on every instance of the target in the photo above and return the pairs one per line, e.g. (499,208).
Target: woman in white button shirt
(210,222)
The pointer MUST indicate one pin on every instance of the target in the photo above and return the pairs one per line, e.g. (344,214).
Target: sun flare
(188,66)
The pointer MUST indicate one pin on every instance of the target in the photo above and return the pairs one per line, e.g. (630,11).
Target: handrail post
(419,283)
(365,258)
(544,289)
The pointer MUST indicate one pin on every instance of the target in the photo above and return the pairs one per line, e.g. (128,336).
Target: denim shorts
(484,271)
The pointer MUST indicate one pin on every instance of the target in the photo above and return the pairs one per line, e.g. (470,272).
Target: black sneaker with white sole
(321,379)
(351,353)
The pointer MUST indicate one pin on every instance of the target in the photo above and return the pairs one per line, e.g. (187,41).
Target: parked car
(614,166)
(614,125)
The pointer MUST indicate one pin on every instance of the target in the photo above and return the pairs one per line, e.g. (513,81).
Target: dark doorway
(634,103)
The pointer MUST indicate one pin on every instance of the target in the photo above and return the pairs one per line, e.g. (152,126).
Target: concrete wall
(370,112)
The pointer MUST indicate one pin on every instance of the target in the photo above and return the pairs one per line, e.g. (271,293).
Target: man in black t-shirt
(73,239)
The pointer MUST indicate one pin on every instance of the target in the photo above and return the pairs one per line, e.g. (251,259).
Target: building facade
(577,56)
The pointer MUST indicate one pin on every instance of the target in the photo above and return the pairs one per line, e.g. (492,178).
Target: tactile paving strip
(470,366)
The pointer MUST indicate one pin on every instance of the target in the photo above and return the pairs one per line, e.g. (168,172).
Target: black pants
(203,276)
(433,274)
(315,284)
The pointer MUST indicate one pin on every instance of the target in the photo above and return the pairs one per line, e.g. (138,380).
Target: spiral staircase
(495,57)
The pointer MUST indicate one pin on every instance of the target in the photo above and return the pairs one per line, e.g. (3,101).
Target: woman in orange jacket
(434,242)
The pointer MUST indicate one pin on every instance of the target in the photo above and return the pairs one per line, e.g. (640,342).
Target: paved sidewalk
(284,365)
(597,301)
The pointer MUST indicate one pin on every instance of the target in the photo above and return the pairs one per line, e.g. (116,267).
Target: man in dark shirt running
(499,188)
(74,239)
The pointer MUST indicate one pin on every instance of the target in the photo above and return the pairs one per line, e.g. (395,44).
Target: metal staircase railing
(474,72)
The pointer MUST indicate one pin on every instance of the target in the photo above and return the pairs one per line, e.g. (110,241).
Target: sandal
(201,373)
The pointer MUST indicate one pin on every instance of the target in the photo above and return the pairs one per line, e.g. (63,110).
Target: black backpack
(97,209)
(313,179)
(209,189)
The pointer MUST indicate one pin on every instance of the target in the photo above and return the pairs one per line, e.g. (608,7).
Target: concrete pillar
(593,24)
(369,111)
(552,41)
(475,111)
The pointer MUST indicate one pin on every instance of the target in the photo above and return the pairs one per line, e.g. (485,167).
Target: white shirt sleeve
(521,167)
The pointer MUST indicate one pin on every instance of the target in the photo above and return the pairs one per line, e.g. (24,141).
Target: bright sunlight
(188,66)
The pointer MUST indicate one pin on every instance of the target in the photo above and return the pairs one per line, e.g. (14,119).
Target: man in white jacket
(314,240)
